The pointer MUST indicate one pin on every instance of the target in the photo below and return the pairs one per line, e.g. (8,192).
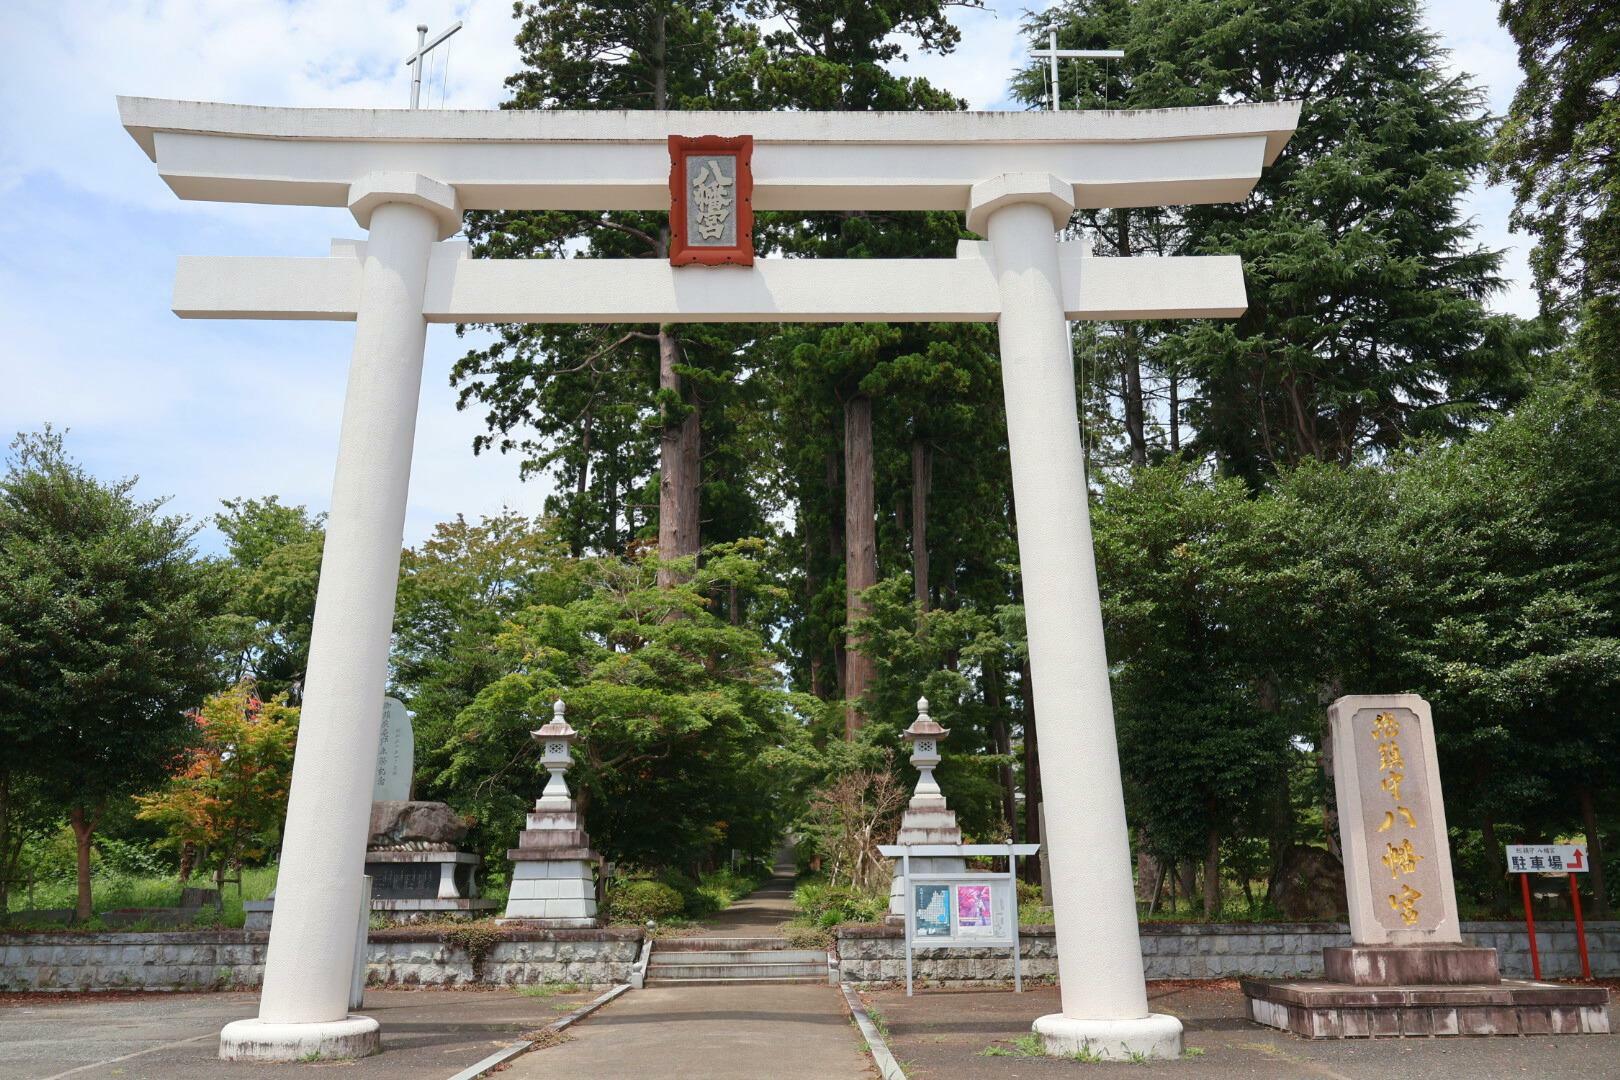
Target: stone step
(719,944)
(738,956)
(667,972)
(737,980)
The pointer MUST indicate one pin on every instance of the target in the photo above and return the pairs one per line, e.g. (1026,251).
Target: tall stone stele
(927,819)
(1406,970)
(553,866)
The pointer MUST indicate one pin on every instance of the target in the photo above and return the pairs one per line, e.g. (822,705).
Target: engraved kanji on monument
(711,191)
(1406,971)
(1392,822)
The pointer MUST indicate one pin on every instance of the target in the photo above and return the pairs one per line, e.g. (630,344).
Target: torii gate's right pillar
(1104,995)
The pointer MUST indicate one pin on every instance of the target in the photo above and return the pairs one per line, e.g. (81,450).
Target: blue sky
(203,411)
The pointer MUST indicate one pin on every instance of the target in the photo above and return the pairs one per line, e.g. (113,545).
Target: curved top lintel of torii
(565,160)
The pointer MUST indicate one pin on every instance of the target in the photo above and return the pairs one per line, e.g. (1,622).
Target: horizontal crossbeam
(464,290)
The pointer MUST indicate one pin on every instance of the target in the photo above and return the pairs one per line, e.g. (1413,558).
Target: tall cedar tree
(104,636)
(831,56)
(1558,148)
(578,400)
(1367,322)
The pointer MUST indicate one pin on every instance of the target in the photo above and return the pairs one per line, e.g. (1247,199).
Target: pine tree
(1367,320)
(589,393)
(1557,148)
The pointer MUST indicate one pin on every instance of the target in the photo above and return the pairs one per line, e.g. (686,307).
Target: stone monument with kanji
(1407,970)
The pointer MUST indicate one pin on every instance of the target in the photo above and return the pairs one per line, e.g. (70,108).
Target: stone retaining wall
(219,959)
(872,953)
(231,959)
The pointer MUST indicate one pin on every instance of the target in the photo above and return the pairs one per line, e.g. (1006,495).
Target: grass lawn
(111,891)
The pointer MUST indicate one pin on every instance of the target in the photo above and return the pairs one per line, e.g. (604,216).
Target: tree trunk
(922,478)
(1135,411)
(995,701)
(860,552)
(1594,852)
(1500,897)
(1148,870)
(1175,413)
(84,825)
(1330,799)
(679,466)
(1187,871)
(835,556)
(1032,773)
(1212,874)
(11,842)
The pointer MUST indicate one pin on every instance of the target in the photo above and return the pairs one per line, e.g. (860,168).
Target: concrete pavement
(775,1031)
(427,1034)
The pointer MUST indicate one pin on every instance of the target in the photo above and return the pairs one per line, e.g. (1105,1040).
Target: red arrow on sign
(1576,863)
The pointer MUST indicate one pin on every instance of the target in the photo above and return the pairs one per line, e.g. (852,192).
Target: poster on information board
(975,911)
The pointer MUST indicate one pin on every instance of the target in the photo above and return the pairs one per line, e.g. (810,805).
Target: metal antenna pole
(416,76)
(419,57)
(1052,45)
(1052,53)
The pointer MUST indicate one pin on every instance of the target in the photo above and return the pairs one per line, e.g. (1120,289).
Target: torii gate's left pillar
(304,1006)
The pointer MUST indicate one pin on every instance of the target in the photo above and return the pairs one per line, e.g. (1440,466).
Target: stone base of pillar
(262,1040)
(1153,1036)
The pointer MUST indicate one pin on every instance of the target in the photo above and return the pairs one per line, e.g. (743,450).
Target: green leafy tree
(688,746)
(227,795)
(1192,584)
(271,571)
(105,616)
(1557,148)
(457,592)
(1523,656)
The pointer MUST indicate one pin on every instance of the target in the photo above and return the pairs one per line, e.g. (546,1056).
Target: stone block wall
(183,960)
(234,959)
(1560,959)
(404,956)
(874,953)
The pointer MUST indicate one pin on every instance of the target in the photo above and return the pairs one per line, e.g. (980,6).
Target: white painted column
(303,1009)
(1104,995)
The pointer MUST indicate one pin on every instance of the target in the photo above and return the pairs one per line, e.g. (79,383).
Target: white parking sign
(1546,858)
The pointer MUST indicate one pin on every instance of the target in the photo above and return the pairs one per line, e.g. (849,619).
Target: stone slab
(1410,965)
(1325,1010)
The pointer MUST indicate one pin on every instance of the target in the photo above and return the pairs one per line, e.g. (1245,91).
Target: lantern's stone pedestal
(927,819)
(553,866)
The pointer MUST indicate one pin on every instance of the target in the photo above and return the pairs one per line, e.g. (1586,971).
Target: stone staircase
(717,961)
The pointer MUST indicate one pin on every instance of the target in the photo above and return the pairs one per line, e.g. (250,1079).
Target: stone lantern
(556,741)
(925,735)
(553,866)
(927,819)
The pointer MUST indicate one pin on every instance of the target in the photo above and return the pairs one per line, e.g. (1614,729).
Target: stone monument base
(1412,990)
(1328,1010)
(1410,965)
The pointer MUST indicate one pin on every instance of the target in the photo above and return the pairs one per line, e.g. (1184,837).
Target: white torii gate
(408,175)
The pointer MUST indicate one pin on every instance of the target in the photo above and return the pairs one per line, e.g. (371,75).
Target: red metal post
(1530,928)
(1580,927)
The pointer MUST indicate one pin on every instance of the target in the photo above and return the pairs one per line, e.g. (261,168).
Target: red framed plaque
(711,200)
